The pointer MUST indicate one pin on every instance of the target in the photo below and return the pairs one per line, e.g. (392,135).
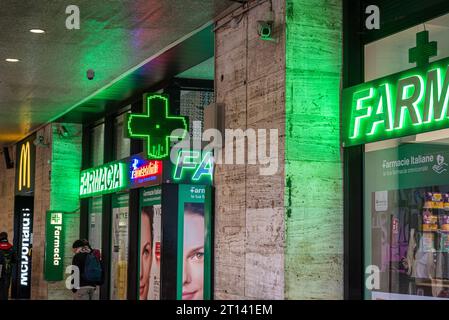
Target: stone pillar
(281,236)
(249,224)
(313,167)
(57,188)
(7,185)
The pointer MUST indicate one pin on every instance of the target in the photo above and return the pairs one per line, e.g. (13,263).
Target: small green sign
(54,246)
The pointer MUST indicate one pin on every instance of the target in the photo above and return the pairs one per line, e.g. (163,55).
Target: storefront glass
(192,106)
(119,255)
(122,144)
(407,217)
(406,197)
(97,145)
(95,218)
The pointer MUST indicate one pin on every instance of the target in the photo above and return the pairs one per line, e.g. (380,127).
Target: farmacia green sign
(105,179)
(405,103)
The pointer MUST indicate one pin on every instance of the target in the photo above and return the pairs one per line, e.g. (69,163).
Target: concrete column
(281,236)
(57,188)
(249,230)
(7,185)
(313,167)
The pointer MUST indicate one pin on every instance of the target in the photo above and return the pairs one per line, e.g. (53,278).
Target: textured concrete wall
(64,195)
(313,194)
(249,223)
(7,184)
(57,178)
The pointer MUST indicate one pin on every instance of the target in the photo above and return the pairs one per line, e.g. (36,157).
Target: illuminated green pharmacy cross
(156,126)
(423,50)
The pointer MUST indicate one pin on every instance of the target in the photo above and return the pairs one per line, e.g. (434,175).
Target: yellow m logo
(25,167)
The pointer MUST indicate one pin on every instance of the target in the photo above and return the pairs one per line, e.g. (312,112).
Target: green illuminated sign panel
(105,179)
(194,167)
(54,246)
(156,126)
(405,103)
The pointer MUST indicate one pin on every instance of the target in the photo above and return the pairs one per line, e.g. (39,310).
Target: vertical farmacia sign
(54,247)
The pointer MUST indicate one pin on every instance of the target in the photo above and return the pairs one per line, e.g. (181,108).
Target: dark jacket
(10,255)
(79,260)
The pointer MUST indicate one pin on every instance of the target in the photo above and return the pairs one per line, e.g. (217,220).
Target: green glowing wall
(64,193)
(313,169)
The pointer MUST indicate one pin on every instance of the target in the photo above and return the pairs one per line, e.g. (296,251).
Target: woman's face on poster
(193,257)
(145,256)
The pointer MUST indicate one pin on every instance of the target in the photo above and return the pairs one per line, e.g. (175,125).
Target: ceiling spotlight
(37,31)
(12,60)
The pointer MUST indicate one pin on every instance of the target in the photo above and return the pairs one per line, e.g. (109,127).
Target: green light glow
(313,222)
(362,111)
(406,103)
(188,161)
(156,126)
(105,179)
(437,103)
(384,115)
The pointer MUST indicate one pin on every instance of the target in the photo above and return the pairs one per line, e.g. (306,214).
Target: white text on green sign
(406,103)
(194,164)
(102,180)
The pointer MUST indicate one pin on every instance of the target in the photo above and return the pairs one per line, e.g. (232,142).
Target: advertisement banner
(150,243)
(54,246)
(119,255)
(143,172)
(194,227)
(407,166)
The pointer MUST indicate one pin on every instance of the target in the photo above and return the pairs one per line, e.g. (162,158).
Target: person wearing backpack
(90,269)
(8,259)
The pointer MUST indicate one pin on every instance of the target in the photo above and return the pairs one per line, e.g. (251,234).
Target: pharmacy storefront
(396,138)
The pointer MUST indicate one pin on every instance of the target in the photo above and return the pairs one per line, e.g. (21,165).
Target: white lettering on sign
(106,179)
(25,248)
(57,243)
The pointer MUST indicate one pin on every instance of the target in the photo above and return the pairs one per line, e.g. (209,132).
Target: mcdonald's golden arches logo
(25,167)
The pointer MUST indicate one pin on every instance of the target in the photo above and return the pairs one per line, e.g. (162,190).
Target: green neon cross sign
(423,50)
(156,126)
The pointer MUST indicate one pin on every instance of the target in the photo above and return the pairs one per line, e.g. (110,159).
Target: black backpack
(2,264)
(5,262)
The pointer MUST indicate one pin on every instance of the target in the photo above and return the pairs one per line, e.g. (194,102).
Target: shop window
(95,219)
(122,145)
(119,255)
(406,191)
(97,145)
(391,55)
(192,106)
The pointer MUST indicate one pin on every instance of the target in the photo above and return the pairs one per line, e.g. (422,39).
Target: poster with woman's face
(150,244)
(194,243)
(193,252)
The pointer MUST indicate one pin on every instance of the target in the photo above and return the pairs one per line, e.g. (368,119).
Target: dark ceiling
(122,41)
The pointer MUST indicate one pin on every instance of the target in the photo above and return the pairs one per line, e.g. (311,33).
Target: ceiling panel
(115,37)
